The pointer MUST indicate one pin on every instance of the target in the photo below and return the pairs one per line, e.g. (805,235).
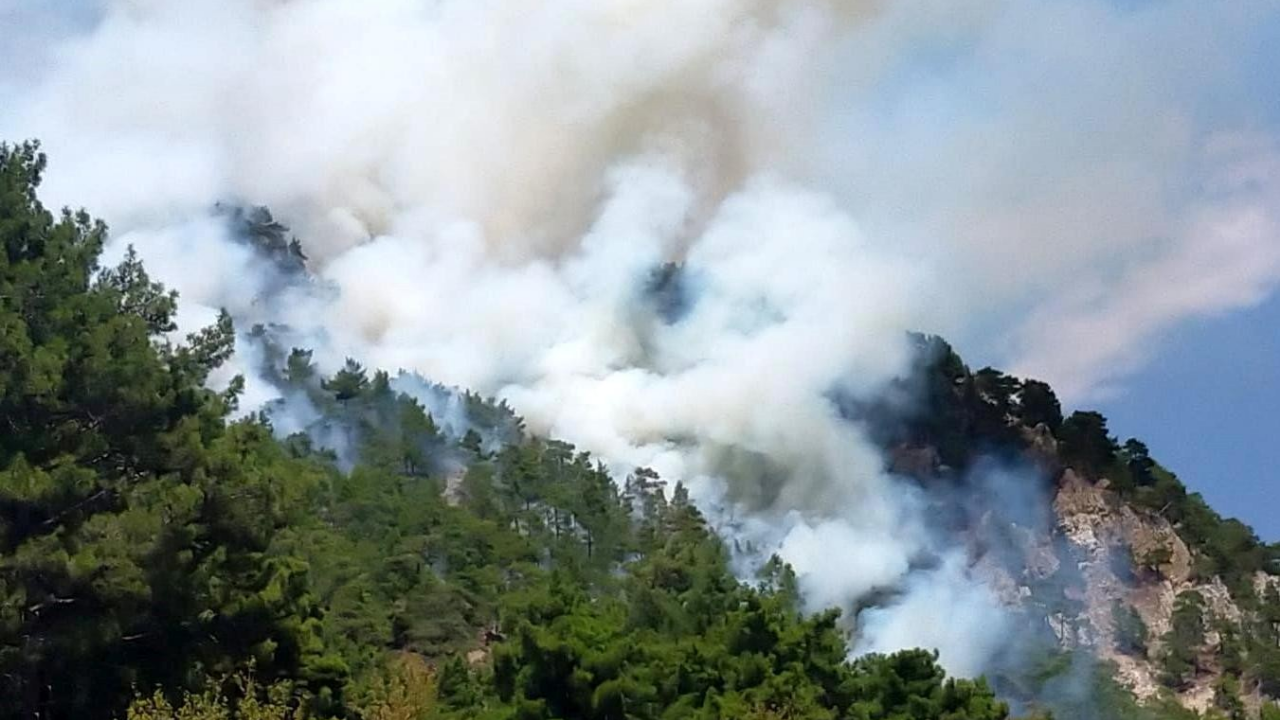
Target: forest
(159,560)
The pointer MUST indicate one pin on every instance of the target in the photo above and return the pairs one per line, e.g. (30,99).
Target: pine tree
(350,382)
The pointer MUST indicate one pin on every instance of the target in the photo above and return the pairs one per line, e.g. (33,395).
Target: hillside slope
(378,546)
(1130,567)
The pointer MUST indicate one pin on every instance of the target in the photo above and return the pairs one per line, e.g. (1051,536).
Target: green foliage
(589,602)
(350,382)
(240,697)
(1138,462)
(1073,685)
(1226,697)
(1183,642)
(1085,442)
(256,227)
(1038,404)
(380,566)
(134,522)
(585,601)
(947,397)
(1130,630)
(407,689)
(1224,547)
(1263,642)
(962,415)
(995,406)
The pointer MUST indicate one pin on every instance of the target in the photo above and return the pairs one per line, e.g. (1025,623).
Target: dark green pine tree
(133,520)
(1038,404)
(350,382)
(1086,444)
(1183,642)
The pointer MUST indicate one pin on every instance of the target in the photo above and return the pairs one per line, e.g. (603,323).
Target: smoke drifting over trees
(483,192)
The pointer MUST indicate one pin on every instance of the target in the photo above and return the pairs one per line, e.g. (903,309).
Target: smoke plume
(669,231)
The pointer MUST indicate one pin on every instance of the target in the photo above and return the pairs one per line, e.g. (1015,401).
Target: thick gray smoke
(486,190)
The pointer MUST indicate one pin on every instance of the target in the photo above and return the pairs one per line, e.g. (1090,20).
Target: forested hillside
(1132,570)
(158,560)
(153,550)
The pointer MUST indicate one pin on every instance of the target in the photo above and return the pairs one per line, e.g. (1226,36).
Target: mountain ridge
(1140,542)
(408,550)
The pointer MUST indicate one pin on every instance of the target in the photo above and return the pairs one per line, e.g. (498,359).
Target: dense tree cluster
(135,523)
(155,557)
(158,561)
(1185,639)
(970,415)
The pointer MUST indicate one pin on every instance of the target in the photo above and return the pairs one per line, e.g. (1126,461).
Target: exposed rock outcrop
(1136,558)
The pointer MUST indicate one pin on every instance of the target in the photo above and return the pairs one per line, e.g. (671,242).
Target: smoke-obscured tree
(205,350)
(711,648)
(1130,629)
(779,578)
(643,493)
(257,228)
(943,418)
(138,295)
(298,368)
(418,433)
(145,541)
(348,383)
(472,442)
(380,387)
(996,387)
(995,412)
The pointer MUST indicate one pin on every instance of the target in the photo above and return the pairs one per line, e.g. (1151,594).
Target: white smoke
(941,609)
(486,187)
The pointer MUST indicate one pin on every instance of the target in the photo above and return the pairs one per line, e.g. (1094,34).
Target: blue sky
(1206,403)
(1182,353)
(1207,406)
